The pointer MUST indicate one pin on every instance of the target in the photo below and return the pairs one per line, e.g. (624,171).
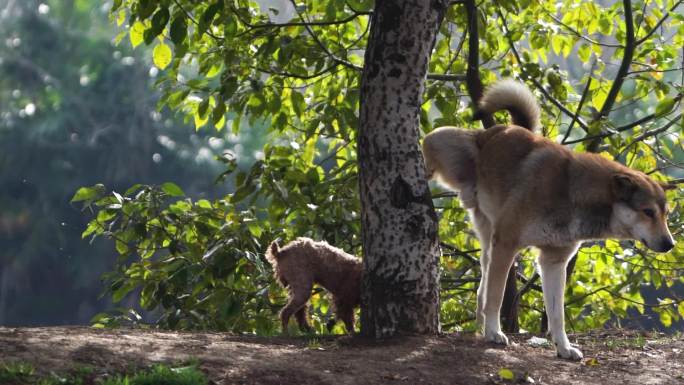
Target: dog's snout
(666,244)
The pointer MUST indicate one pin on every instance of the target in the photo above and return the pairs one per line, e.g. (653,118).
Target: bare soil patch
(612,357)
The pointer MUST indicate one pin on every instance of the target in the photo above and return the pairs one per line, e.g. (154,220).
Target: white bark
(399,224)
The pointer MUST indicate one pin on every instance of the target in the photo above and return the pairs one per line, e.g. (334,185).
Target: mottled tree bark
(399,224)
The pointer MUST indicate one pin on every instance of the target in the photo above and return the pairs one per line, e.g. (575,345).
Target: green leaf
(116,4)
(229,85)
(506,374)
(219,110)
(159,20)
(361,5)
(179,29)
(88,193)
(137,33)
(208,17)
(121,18)
(172,189)
(120,293)
(298,103)
(584,52)
(145,8)
(202,109)
(242,192)
(162,55)
(664,106)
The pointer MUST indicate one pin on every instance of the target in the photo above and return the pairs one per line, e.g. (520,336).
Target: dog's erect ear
(667,186)
(624,187)
(275,248)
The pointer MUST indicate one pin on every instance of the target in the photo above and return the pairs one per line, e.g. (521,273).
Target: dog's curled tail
(515,97)
(273,252)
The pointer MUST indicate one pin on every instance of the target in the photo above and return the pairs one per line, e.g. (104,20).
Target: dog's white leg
(501,258)
(553,262)
(484,234)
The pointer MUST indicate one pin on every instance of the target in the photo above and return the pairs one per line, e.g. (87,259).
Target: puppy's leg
(484,234)
(553,261)
(501,258)
(301,316)
(299,294)
(345,313)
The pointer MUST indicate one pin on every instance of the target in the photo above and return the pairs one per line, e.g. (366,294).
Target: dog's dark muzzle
(664,245)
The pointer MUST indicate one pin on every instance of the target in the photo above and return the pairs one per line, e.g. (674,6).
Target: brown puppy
(522,189)
(303,262)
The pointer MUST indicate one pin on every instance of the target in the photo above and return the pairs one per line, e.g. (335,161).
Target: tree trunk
(399,224)
(511,302)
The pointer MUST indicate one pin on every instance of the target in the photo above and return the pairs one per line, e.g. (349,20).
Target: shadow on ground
(612,357)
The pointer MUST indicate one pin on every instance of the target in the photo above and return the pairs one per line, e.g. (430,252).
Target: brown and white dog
(522,189)
(303,262)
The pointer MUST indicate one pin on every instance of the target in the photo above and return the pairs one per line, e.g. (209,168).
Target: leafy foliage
(162,375)
(607,76)
(200,262)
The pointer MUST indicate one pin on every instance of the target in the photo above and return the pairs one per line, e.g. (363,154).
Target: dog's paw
(570,353)
(497,337)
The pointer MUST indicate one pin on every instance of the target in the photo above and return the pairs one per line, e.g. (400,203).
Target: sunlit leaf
(162,55)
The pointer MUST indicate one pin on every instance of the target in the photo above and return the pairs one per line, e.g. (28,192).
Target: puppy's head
(640,210)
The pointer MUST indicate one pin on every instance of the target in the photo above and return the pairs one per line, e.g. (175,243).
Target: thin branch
(208,32)
(473,81)
(528,285)
(630,45)
(585,93)
(445,194)
(624,65)
(624,128)
(578,34)
(459,48)
(646,118)
(536,83)
(307,23)
(296,76)
(659,23)
(654,70)
(448,77)
(462,253)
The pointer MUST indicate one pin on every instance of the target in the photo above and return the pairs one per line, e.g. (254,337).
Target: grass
(162,375)
(20,373)
(15,372)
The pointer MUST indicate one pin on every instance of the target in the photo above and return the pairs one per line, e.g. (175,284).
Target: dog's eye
(649,213)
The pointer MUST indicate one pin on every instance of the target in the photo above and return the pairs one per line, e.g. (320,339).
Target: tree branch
(625,128)
(307,23)
(208,32)
(659,23)
(578,34)
(473,81)
(536,83)
(624,65)
(585,93)
(630,45)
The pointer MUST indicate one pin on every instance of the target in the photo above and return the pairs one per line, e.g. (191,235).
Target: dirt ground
(611,357)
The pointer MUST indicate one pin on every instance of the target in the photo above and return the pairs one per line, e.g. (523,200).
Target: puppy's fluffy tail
(273,252)
(515,97)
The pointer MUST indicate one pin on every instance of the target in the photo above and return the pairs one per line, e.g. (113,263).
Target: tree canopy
(609,78)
